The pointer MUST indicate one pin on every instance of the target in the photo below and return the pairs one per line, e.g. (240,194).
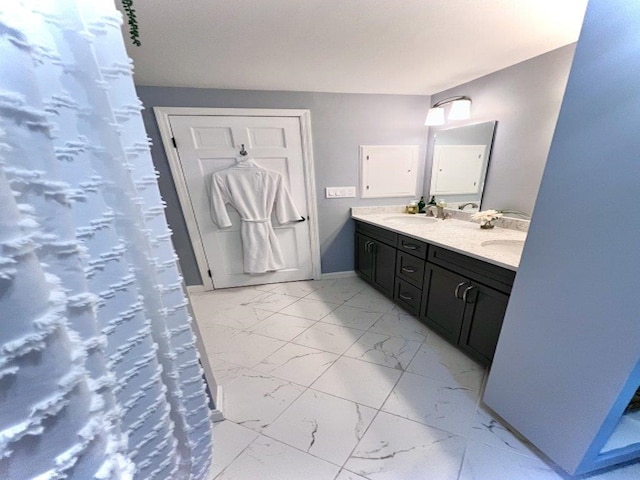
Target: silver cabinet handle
(456,293)
(466,291)
(408,270)
(410,246)
(405,297)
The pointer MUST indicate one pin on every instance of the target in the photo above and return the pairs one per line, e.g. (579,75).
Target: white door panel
(207,144)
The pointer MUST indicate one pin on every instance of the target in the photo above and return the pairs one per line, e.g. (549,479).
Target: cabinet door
(441,309)
(483,316)
(364,256)
(384,270)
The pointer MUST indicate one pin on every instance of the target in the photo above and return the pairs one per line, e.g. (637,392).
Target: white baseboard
(324,276)
(195,289)
(334,275)
(217,415)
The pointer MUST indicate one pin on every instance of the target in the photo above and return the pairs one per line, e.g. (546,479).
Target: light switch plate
(340,192)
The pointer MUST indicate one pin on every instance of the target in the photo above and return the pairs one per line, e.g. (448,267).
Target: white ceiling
(350,46)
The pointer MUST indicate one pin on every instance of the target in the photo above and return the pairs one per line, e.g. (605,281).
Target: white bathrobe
(254,192)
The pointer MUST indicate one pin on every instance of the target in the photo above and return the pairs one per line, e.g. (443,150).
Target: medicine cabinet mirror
(459,164)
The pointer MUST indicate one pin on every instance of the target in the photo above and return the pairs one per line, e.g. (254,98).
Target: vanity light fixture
(460,110)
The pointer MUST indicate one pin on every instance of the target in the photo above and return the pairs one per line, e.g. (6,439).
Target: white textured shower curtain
(99,374)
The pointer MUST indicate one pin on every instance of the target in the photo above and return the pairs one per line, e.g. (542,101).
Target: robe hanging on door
(255,193)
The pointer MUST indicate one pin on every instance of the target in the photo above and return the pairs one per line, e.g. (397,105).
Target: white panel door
(209,143)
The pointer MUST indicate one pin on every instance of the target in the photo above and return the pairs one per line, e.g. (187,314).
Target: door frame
(304,116)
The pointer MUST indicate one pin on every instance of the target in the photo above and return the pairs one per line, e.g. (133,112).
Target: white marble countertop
(457,235)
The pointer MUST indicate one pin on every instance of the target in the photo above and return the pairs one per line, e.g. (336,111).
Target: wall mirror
(459,164)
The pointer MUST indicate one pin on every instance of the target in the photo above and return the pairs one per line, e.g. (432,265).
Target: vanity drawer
(410,269)
(407,296)
(412,246)
(377,233)
(478,270)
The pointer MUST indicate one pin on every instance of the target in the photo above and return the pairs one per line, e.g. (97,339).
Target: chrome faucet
(516,212)
(473,205)
(440,213)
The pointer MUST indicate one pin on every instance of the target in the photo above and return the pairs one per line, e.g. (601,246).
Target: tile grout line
(306,388)
(462,459)
(378,410)
(288,341)
(240,453)
(422,342)
(292,402)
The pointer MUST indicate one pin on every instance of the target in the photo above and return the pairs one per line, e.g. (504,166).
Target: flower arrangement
(486,217)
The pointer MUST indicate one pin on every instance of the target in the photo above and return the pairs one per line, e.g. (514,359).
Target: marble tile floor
(329,380)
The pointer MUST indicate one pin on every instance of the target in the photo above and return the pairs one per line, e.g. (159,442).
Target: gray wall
(569,350)
(340,123)
(525,100)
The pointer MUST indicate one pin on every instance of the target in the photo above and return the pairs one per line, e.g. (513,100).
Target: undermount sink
(506,246)
(409,219)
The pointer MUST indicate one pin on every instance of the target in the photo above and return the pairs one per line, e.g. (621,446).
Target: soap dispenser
(421,205)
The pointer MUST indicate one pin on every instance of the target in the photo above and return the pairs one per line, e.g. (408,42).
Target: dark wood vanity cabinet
(467,313)
(364,257)
(376,257)
(441,308)
(465,300)
(461,298)
(410,266)
(483,314)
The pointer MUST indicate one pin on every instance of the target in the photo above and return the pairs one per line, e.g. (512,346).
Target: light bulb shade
(460,110)
(435,116)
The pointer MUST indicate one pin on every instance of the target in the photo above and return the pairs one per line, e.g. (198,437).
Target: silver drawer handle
(410,246)
(408,270)
(456,293)
(405,297)
(466,291)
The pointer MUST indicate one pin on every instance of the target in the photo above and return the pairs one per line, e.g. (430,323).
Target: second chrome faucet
(473,205)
